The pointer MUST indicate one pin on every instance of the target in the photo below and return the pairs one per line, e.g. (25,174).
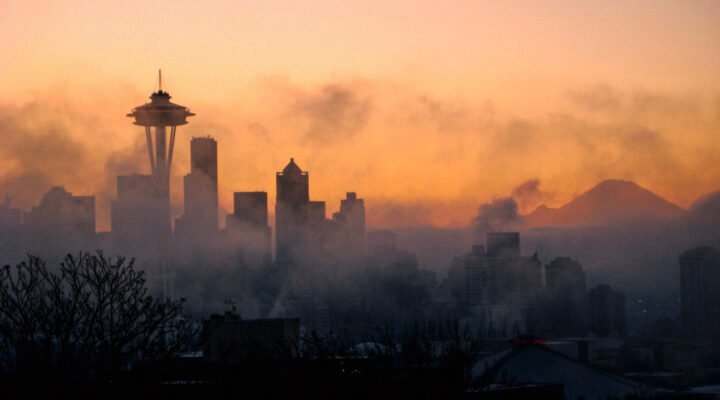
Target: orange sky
(426,109)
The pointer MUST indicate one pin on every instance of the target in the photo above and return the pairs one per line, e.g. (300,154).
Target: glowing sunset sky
(424,108)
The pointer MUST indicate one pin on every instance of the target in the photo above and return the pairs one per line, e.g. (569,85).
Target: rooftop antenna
(160,79)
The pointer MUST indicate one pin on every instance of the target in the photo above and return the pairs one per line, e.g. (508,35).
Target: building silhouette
(61,221)
(563,274)
(500,273)
(566,308)
(249,208)
(700,292)
(319,228)
(607,311)
(133,221)
(248,227)
(291,211)
(60,212)
(503,244)
(317,210)
(200,217)
(499,285)
(350,224)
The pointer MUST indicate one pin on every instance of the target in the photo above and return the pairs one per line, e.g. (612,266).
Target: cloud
(449,116)
(498,215)
(425,158)
(529,195)
(333,112)
(597,98)
(398,213)
(41,152)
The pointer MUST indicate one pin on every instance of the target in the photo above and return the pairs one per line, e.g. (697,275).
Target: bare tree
(90,319)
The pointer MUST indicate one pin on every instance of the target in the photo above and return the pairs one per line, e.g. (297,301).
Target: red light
(532,341)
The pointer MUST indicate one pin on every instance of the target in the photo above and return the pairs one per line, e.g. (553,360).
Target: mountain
(609,202)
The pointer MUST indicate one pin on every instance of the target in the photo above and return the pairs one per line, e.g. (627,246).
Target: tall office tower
(160,114)
(498,280)
(132,215)
(521,276)
(291,211)
(497,275)
(607,311)
(200,219)
(62,219)
(248,226)
(471,279)
(351,221)
(700,292)
(565,307)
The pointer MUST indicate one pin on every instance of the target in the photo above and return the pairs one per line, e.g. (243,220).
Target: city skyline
(528,192)
(412,199)
(568,95)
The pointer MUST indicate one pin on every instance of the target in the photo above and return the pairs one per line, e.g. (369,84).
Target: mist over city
(359,200)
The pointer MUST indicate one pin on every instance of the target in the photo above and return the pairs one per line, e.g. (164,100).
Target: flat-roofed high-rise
(250,208)
(247,227)
(200,217)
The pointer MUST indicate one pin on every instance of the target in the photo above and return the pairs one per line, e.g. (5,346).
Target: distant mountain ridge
(609,202)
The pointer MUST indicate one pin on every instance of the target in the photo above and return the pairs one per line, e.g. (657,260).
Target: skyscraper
(607,311)
(700,292)
(498,275)
(132,220)
(565,307)
(351,224)
(200,218)
(493,280)
(291,210)
(249,208)
(247,227)
(318,225)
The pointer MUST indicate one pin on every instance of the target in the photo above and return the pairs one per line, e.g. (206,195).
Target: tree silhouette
(91,319)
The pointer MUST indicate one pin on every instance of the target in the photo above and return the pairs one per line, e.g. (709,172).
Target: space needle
(157,116)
